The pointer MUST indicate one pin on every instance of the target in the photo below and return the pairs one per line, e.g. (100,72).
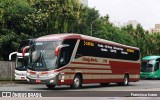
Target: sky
(145,12)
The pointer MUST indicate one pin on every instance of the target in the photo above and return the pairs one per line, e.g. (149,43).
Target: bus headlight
(27,79)
(16,73)
(28,74)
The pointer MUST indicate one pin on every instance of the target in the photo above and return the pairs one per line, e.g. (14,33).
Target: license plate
(38,81)
(22,77)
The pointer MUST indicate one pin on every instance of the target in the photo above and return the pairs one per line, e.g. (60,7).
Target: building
(118,24)
(156,29)
(84,2)
(134,23)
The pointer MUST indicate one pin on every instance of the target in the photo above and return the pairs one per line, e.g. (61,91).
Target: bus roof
(150,57)
(79,36)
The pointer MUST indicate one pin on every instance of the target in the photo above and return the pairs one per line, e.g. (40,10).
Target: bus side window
(158,60)
(64,57)
(69,49)
(156,66)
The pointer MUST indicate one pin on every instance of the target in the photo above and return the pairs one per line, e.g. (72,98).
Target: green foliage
(87,17)
(107,31)
(24,19)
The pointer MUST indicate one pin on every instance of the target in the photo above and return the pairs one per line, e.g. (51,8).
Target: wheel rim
(125,80)
(76,82)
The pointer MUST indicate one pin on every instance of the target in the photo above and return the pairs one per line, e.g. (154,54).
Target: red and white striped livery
(74,59)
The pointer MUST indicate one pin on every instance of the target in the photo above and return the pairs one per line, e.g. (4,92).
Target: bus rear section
(150,67)
(73,59)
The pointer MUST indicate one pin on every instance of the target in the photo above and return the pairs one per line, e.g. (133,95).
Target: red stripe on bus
(83,73)
(44,72)
(73,68)
(31,72)
(89,63)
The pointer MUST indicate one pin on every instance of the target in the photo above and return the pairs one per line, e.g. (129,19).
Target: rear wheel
(104,84)
(125,81)
(50,86)
(77,82)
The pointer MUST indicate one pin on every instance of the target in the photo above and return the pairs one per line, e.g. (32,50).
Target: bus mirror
(12,54)
(24,50)
(58,48)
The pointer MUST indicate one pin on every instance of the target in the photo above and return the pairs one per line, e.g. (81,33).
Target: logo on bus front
(38,74)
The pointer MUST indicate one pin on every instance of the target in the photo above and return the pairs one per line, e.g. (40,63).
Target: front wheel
(77,82)
(50,86)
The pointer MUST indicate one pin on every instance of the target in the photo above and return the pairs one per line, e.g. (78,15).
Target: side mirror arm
(10,56)
(24,50)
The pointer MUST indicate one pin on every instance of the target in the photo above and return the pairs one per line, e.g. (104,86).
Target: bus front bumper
(151,75)
(18,77)
(52,80)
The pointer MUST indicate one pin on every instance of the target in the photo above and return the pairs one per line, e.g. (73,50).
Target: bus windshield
(42,57)
(21,63)
(147,65)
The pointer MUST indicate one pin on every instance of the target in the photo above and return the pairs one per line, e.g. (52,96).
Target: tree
(107,30)
(12,22)
(61,15)
(87,17)
(34,18)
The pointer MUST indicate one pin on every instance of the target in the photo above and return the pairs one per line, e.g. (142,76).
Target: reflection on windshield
(147,66)
(42,56)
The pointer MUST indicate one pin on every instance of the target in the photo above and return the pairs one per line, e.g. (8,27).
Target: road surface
(143,88)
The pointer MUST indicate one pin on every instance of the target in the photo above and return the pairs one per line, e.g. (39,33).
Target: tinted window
(66,52)
(156,66)
(88,48)
(147,65)
(71,43)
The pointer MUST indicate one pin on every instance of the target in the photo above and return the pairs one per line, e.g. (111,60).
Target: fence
(7,70)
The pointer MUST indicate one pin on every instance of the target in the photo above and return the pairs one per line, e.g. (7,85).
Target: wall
(7,70)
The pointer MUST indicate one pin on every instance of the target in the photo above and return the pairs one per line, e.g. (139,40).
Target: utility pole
(91,26)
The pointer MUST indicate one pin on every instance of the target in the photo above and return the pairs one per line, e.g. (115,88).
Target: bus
(150,67)
(21,62)
(74,59)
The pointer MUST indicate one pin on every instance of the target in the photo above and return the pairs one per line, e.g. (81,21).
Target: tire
(49,86)
(125,81)
(104,84)
(77,82)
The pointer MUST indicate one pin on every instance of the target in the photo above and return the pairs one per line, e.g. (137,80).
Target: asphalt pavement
(139,90)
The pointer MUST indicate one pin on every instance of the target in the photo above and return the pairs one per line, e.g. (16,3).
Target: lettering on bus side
(87,43)
(89,59)
(130,50)
(105,61)
(104,50)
